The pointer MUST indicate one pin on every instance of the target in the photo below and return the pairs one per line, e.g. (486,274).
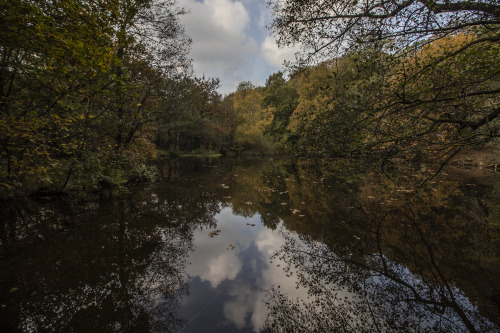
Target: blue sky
(231,41)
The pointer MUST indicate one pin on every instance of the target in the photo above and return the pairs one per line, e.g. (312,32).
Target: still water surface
(226,245)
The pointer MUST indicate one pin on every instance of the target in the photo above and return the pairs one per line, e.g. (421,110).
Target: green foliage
(200,121)
(281,99)
(98,170)
(424,104)
(252,120)
(82,84)
(107,169)
(410,79)
(319,112)
(90,90)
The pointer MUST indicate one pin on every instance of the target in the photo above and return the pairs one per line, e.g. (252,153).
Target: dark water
(265,245)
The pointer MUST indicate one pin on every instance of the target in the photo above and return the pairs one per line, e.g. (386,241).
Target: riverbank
(469,158)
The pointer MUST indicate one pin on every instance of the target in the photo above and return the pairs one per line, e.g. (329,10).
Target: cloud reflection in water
(238,276)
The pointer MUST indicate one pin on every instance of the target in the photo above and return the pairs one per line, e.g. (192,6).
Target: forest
(93,91)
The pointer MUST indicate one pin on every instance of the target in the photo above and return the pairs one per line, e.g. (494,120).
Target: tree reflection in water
(395,268)
(372,255)
(101,266)
(366,295)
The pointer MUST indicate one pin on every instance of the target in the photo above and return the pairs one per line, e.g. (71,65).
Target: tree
(334,103)
(252,120)
(82,85)
(147,32)
(280,100)
(54,55)
(199,119)
(328,27)
(435,104)
(387,245)
(457,82)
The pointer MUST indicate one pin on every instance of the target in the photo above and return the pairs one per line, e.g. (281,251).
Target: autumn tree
(331,114)
(146,33)
(82,85)
(328,27)
(435,104)
(280,100)
(54,55)
(252,120)
(458,81)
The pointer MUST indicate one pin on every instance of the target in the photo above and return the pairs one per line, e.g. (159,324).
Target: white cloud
(224,267)
(232,16)
(275,55)
(215,261)
(241,306)
(221,45)
(264,19)
(231,42)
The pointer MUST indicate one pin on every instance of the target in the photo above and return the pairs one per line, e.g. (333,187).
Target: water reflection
(114,265)
(236,245)
(370,294)
(234,276)
(393,259)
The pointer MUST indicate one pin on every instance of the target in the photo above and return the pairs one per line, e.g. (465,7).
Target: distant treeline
(424,103)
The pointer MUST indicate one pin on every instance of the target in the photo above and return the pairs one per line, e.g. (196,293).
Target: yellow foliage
(143,148)
(252,118)
(314,95)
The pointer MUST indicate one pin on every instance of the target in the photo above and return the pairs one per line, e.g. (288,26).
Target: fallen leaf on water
(214,233)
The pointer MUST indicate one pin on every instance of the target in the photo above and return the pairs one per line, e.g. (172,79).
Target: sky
(231,41)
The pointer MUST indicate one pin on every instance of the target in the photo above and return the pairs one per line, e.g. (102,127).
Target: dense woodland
(92,91)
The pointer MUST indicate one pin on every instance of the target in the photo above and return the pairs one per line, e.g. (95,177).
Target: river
(261,245)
